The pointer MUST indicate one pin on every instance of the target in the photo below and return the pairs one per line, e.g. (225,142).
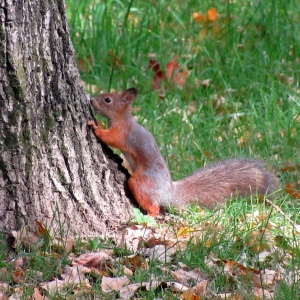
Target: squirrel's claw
(91,123)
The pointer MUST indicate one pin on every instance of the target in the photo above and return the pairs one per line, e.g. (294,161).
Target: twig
(278,209)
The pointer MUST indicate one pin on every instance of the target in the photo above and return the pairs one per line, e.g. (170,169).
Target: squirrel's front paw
(91,123)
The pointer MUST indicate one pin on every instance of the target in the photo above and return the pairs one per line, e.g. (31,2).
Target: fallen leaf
(290,168)
(37,295)
(158,74)
(133,262)
(171,67)
(187,277)
(62,246)
(91,259)
(134,236)
(72,276)
(40,227)
(199,18)
(128,291)
(25,236)
(160,253)
(3,295)
(208,22)
(259,239)
(109,284)
(18,275)
(195,293)
(184,231)
(290,189)
(212,15)
(173,74)
(260,293)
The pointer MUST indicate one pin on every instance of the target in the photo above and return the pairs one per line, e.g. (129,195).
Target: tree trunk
(52,168)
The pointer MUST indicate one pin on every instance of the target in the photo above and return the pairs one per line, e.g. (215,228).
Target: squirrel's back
(219,181)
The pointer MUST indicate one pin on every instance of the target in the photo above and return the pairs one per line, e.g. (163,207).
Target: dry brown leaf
(91,259)
(82,290)
(53,286)
(187,277)
(290,168)
(3,295)
(292,190)
(72,276)
(17,294)
(259,240)
(128,291)
(18,262)
(25,236)
(270,277)
(133,262)
(195,293)
(160,253)
(127,271)
(176,286)
(154,284)
(63,246)
(153,241)
(260,293)
(4,287)
(37,295)
(109,284)
(229,296)
(18,275)
(134,236)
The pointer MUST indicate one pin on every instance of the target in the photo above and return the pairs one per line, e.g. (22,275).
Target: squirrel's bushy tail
(217,182)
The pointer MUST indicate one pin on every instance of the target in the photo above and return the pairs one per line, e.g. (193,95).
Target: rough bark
(52,169)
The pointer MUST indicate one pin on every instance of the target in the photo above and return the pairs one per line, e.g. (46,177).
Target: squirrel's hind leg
(140,186)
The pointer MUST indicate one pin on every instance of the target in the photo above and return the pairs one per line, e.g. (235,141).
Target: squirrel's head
(112,105)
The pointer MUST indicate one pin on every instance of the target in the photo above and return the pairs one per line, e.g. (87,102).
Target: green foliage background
(252,64)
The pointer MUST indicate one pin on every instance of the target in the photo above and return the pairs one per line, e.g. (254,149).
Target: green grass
(251,107)
(248,62)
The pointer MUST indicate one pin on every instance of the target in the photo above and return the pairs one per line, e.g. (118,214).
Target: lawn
(233,92)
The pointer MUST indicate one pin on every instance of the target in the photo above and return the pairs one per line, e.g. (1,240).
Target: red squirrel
(151,183)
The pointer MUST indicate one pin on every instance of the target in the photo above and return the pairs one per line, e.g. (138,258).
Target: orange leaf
(199,18)
(175,74)
(181,77)
(171,67)
(212,15)
(292,191)
(40,227)
(290,168)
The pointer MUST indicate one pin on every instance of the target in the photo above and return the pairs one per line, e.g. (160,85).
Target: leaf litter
(111,273)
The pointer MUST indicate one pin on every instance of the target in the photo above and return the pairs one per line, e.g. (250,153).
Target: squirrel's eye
(107,100)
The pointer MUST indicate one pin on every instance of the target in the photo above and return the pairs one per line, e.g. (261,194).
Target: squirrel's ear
(129,95)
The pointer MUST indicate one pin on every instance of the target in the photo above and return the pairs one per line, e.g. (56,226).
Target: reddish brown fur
(151,183)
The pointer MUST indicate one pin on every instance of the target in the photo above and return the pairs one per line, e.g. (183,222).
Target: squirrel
(150,182)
